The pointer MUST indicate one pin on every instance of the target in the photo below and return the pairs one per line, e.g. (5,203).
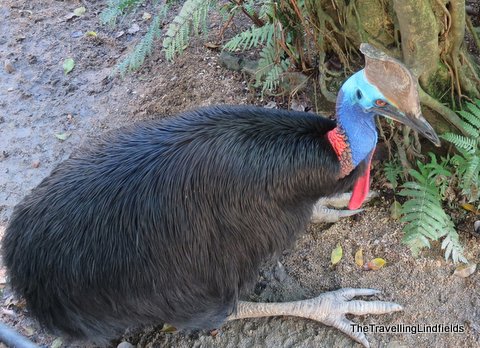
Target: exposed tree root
(443,110)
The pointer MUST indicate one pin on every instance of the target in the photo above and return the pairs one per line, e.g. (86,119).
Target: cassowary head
(399,90)
(384,87)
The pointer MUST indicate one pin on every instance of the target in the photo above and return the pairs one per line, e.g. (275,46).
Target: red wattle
(360,189)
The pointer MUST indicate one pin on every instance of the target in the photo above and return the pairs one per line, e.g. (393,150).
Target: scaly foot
(322,213)
(329,308)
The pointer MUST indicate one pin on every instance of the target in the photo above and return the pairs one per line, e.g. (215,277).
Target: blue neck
(358,125)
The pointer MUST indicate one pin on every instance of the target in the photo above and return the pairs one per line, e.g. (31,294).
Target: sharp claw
(346,326)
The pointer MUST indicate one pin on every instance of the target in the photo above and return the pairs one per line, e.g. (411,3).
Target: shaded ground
(38,102)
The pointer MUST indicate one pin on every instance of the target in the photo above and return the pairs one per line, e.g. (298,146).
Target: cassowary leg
(322,213)
(329,308)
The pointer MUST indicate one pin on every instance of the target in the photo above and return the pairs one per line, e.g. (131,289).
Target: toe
(348,328)
(371,307)
(349,293)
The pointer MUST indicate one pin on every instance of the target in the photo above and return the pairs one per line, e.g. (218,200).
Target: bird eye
(359,94)
(380,102)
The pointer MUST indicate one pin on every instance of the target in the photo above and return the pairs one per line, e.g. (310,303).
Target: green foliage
(117,8)
(467,161)
(270,68)
(278,31)
(189,20)
(423,213)
(393,173)
(144,48)
(252,37)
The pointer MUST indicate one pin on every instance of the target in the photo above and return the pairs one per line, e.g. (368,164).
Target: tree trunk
(428,35)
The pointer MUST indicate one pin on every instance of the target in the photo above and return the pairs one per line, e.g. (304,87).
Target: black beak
(416,122)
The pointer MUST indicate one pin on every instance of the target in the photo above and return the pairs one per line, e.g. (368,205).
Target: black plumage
(168,220)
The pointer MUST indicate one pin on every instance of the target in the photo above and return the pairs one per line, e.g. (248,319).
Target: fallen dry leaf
(359,257)
(337,254)
(470,207)
(395,210)
(211,45)
(375,264)
(68,65)
(146,16)
(62,136)
(465,270)
(167,328)
(79,11)
(57,343)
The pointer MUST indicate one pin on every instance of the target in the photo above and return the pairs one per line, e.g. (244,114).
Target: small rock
(279,273)
(296,106)
(76,34)
(133,29)
(476,226)
(271,105)
(214,332)
(29,331)
(35,164)
(230,62)
(3,154)
(31,59)
(9,68)
(125,345)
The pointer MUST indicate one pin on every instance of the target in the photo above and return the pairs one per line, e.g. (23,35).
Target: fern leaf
(468,144)
(192,15)
(116,8)
(144,48)
(453,248)
(393,171)
(252,37)
(423,214)
(474,116)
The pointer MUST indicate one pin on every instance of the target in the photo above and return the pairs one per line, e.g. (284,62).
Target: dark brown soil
(38,101)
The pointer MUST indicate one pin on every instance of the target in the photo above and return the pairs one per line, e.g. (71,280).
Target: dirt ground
(39,103)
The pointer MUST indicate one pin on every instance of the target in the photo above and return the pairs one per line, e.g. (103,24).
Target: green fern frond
(474,116)
(117,8)
(193,15)
(144,48)
(249,7)
(423,213)
(252,37)
(452,246)
(270,68)
(467,162)
(393,172)
(268,9)
(461,142)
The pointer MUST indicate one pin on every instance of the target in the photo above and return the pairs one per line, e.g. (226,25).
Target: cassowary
(170,220)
